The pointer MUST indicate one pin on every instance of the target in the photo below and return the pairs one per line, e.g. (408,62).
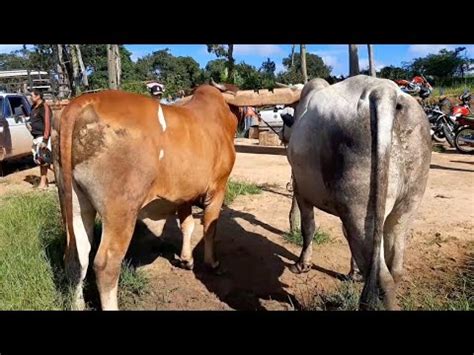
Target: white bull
(360,150)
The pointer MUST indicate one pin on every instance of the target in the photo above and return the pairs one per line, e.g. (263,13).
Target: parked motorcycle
(457,126)
(435,113)
(418,86)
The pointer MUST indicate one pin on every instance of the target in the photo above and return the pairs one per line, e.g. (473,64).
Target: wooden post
(370,50)
(353,60)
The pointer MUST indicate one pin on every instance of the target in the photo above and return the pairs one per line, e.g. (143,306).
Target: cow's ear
(287,119)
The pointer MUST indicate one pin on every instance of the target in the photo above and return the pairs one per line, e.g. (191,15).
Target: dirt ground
(254,255)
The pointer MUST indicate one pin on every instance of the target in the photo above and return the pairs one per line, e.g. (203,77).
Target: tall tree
(353,60)
(227,52)
(113,65)
(303,63)
(370,51)
(315,67)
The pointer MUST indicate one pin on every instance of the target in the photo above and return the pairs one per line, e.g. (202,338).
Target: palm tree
(353,60)
(370,50)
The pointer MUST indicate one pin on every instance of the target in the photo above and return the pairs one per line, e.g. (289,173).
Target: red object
(460,111)
(418,80)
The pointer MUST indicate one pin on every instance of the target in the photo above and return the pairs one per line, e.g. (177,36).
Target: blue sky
(333,55)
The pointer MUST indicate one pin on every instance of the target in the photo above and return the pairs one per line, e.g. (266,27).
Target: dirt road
(254,254)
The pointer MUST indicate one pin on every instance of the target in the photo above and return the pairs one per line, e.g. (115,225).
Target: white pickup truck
(15,138)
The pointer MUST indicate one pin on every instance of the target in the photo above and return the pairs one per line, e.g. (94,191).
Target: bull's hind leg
(186,221)
(307,230)
(395,232)
(77,251)
(118,226)
(361,246)
(354,273)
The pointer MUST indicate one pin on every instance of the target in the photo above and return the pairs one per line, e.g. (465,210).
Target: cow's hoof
(183,264)
(216,268)
(298,268)
(187,264)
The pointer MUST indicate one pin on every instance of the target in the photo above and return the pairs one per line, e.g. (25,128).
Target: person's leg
(44,177)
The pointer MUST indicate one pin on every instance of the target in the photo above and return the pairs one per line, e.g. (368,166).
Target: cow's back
(332,141)
(175,153)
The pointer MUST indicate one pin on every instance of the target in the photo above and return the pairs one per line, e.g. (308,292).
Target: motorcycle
(418,86)
(435,114)
(457,126)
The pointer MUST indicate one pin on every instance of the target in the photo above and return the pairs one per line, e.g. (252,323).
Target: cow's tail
(66,130)
(382,101)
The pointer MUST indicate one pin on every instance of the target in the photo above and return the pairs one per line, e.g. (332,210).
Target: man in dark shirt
(40,128)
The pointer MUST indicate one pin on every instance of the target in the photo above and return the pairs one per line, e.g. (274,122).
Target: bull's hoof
(298,268)
(216,268)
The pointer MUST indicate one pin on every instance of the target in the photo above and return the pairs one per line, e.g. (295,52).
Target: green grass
(32,242)
(344,298)
(456,294)
(438,148)
(31,239)
(237,188)
(295,237)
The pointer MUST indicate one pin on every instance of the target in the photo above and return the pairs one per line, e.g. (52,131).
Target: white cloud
(364,64)
(279,68)
(330,60)
(262,50)
(425,49)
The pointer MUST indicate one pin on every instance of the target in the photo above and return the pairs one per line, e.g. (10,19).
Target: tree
(176,73)
(113,65)
(314,65)
(353,60)
(304,73)
(226,51)
(442,66)
(393,73)
(370,51)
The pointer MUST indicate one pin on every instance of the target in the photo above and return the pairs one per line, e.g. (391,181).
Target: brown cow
(123,155)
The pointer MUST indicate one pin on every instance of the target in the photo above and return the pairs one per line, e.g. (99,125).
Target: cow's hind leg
(186,221)
(307,230)
(211,214)
(77,251)
(118,227)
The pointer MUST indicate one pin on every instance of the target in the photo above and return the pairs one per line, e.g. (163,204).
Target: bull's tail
(382,103)
(66,130)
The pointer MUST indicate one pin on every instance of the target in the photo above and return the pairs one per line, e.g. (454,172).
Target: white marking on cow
(162,154)
(161,118)
(83,246)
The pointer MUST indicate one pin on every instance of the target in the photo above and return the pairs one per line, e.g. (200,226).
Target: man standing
(40,128)
(251,118)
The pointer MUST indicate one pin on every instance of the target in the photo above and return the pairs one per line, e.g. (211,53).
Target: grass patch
(320,237)
(438,148)
(344,298)
(456,294)
(32,242)
(133,284)
(237,188)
